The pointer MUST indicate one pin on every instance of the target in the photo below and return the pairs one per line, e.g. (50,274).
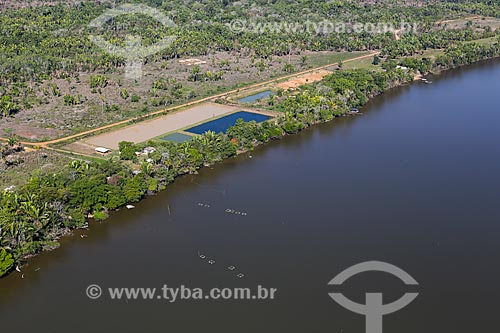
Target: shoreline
(70,231)
(181,107)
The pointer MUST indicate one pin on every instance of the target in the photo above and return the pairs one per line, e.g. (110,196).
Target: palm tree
(303,60)
(79,166)
(147,168)
(13,140)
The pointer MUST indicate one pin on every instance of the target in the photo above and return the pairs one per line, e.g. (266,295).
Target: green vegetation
(467,53)
(98,81)
(47,48)
(49,67)
(365,63)
(411,44)
(44,43)
(49,205)
(196,75)
(73,100)
(6,262)
(317,60)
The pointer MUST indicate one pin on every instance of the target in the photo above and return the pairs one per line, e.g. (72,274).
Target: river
(413,181)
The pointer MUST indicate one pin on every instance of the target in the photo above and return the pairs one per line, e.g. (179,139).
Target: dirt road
(124,122)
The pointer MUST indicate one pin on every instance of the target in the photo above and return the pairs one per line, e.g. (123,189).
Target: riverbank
(393,184)
(39,213)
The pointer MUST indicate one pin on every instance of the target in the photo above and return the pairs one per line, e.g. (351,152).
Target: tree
(98,81)
(133,189)
(12,140)
(195,75)
(124,93)
(6,262)
(127,151)
(7,106)
(303,60)
(288,68)
(88,192)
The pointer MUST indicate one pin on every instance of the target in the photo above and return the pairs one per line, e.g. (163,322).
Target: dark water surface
(253,98)
(221,125)
(414,181)
(177,137)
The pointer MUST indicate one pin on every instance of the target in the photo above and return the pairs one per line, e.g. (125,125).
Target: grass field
(430,54)
(485,41)
(366,63)
(322,59)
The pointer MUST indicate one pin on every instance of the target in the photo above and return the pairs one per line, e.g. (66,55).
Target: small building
(102,150)
(149,150)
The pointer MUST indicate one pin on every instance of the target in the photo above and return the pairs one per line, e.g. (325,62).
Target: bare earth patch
(304,79)
(33,161)
(81,148)
(479,23)
(153,128)
(49,117)
(29,131)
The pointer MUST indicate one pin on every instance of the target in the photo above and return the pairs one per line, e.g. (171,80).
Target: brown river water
(413,181)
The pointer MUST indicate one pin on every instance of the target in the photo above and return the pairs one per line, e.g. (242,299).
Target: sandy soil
(50,118)
(304,79)
(81,148)
(150,129)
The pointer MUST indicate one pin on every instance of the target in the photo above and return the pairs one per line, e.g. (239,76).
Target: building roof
(102,150)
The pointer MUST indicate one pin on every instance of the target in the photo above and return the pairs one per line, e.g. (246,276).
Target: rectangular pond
(253,98)
(177,137)
(222,124)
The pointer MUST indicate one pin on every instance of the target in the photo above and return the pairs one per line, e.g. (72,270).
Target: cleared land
(318,59)
(247,90)
(150,129)
(164,84)
(364,63)
(31,163)
(477,22)
(304,79)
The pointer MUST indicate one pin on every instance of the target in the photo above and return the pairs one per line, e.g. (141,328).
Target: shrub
(6,262)
(98,81)
(127,151)
(292,126)
(100,215)
(124,94)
